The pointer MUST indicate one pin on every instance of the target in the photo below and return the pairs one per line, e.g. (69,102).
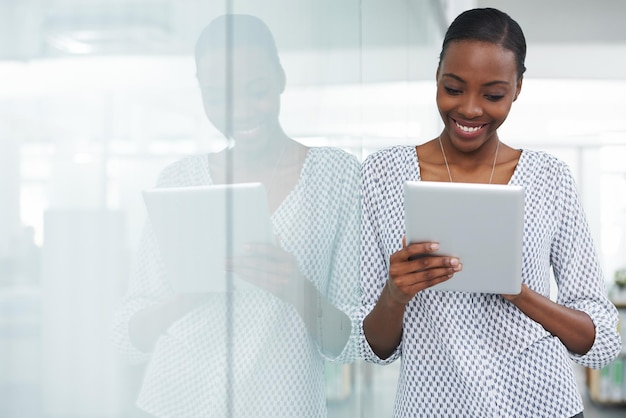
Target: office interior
(97,97)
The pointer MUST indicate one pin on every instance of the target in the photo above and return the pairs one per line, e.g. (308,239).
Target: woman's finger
(412,250)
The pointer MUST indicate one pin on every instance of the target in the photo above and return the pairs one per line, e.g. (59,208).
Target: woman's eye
(258,89)
(216,101)
(214,97)
(259,92)
(494,97)
(452,91)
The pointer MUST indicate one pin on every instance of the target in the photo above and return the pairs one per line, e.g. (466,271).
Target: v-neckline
(512,180)
(289,195)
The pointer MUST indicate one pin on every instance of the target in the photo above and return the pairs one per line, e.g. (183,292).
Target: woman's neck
(257,165)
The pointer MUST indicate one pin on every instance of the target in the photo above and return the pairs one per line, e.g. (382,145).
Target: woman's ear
(282,79)
(518,88)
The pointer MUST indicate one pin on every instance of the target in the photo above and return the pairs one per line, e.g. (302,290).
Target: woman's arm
(274,270)
(147,325)
(574,328)
(327,324)
(383,325)
(582,317)
(408,276)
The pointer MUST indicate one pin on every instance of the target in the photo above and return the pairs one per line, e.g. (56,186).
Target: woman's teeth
(468,129)
(247,131)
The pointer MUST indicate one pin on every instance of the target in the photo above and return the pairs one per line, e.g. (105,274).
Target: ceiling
(566,38)
(566,21)
(47,28)
(569,39)
(329,43)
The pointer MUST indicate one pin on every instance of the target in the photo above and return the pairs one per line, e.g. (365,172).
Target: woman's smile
(468,129)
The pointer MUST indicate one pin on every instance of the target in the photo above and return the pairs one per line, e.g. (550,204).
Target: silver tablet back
(481,224)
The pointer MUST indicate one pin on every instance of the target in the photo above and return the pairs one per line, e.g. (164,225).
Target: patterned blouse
(273,368)
(471,354)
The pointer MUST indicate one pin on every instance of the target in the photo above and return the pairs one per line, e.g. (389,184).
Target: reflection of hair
(236,30)
(488,25)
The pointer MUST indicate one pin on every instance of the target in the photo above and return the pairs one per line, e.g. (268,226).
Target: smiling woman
(454,345)
(476,86)
(82,134)
(241,80)
(260,349)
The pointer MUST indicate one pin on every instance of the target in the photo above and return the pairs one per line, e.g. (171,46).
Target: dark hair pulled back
(232,30)
(488,25)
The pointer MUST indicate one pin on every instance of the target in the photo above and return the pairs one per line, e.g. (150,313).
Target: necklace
(493,168)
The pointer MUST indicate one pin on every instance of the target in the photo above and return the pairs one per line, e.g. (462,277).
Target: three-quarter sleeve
(147,286)
(148,283)
(374,262)
(579,276)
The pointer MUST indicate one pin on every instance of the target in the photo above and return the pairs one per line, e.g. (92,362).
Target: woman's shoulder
(542,158)
(192,170)
(331,162)
(333,155)
(541,167)
(389,161)
(398,154)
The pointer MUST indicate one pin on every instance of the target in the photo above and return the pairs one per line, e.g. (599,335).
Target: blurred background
(96,97)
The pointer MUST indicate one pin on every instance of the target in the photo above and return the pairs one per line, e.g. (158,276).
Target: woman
(469,354)
(256,352)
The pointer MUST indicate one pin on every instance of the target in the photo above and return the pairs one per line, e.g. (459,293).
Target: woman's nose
(241,108)
(470,107)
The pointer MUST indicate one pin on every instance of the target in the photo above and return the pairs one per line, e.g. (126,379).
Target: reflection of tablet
(481,224)
(198,227)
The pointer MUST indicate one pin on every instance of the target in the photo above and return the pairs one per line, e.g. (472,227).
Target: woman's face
(242,98)
(477,83)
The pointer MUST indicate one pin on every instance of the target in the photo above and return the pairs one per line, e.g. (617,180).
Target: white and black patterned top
(477,355)
(276,369)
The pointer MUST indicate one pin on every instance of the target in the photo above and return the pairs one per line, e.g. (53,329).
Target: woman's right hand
(415,267)
(412,269)
(148,324)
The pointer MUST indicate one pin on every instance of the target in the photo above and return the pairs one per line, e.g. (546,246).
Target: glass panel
(107,100)
(103,100)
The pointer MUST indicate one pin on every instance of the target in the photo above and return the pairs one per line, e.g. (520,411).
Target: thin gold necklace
(493,168)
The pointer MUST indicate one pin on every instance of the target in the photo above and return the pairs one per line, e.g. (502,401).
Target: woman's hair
(488,25)
(232,30)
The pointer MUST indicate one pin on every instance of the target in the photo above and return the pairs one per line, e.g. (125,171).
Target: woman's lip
(467,129)
(247,132)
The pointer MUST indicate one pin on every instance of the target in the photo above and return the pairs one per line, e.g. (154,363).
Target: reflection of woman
(255,352)
(469,354)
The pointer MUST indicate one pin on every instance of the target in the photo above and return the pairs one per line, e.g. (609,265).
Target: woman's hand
(521,294)
(415,268)
(574,328)
(412,269)
(272,269)
(147,325)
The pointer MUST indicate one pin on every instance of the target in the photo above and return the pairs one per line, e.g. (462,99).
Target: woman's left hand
(574,328)
(521,294)
(270,268)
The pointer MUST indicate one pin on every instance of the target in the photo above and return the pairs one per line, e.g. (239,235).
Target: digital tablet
(481,224)
(197,228)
